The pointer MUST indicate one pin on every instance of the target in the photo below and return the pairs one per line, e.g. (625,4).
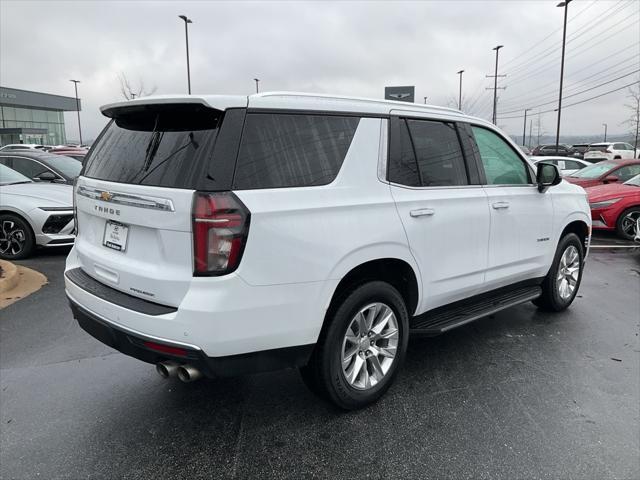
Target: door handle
(422,212)
(500,205)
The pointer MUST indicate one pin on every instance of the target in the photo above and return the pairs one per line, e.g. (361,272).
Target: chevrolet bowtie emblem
(106,196)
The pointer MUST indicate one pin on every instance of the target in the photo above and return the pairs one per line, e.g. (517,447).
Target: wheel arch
(580,228)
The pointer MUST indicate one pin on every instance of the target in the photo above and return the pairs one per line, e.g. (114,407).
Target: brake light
(220,229)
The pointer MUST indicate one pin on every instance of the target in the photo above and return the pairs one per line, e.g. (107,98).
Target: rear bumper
(134,344)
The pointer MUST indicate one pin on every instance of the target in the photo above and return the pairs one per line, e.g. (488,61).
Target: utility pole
(495,86)
(187,21)
(75,84)
(564,4)
(524,128)
(530,130)
(460,91)
(257,80)
(605,132)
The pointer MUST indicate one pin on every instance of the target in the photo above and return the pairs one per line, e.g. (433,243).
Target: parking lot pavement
(521,394)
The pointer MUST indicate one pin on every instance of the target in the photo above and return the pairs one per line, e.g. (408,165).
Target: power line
(581,101)
(579,93)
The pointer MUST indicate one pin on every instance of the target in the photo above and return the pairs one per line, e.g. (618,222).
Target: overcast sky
(348,48)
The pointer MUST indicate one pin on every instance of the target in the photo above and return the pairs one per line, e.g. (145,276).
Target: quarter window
(502,165)
(429,155)
(281,150)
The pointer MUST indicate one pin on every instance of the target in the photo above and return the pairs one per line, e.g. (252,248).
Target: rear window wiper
(168,157)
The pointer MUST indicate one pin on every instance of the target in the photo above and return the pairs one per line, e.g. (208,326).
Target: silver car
(33,214)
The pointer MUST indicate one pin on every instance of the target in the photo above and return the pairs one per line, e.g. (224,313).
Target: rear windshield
(159,145)
(598,148)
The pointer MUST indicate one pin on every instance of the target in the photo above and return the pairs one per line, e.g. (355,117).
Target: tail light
(608,151)
(220,229)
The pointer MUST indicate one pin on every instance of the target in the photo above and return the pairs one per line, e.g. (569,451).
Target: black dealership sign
(402,94)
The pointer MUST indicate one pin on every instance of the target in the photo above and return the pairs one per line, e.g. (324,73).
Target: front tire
(16,238)
(561,284)
(626,223)
(361,349)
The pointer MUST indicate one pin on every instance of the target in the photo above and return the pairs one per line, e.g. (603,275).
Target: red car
(616,207)
(612,171)
(73,152)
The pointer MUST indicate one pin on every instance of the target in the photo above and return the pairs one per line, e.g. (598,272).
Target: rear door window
(29,168)
(292,150)
(159,145)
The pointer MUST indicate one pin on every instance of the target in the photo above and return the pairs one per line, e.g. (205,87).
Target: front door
(521,216)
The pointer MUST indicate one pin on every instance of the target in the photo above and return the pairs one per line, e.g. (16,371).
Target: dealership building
(33,117)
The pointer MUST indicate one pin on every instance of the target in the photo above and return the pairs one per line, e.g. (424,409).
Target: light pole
(133,95)
(257,80)
(425,100)
(524,129)
(495,86)
(530,131)
(605,132)
(460,91)
(564,4)
(75,84)
(187,21)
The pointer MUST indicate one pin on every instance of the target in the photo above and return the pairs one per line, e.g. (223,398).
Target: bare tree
(452,102)
(130,92)
(633,122)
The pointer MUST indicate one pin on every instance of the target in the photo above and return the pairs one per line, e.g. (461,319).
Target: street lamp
(605,131)
(257,80)
(75,84)
(425,100)
(524,129)
(495,85)
(460,91)
(187,21)
(564,5)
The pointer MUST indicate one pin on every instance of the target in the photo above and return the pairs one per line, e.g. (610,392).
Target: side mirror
(547,176)
(47,177)
(611,179)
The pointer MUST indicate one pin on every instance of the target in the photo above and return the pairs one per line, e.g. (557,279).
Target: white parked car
(567,166)
(33,214)
(220,235)
(598,152)
(23,146)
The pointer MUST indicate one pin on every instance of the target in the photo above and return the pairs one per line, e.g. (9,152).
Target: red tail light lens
(220,229)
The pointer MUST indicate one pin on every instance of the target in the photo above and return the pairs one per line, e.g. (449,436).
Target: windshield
(68,166)
(594,171)
(9,176)
(166,146)
(635,181)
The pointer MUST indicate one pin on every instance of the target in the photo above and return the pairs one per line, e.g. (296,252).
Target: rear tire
(361,348)
(561,284)
(626,223)
(16,238)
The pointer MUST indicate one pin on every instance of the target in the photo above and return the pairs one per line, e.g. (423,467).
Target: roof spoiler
(215,102)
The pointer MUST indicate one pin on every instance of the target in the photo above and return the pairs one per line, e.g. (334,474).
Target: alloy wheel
(12,238)
(568,272)
(629,223)
(369,346)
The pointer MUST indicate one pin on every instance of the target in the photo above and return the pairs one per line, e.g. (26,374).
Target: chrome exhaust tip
(167,369)
(188,373)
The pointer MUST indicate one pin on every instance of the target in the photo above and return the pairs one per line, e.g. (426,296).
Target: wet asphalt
(521,394)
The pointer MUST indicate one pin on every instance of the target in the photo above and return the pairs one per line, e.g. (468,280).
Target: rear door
(134,198)
(442,207)
(521,216)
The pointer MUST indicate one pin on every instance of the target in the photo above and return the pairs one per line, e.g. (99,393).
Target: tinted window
(404,169)
(68,166)
(626,173)
(161,145)
(502,166)
(438,152)
(280,150)
(29,168)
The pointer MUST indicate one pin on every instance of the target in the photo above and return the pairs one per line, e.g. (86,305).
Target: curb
(9,277)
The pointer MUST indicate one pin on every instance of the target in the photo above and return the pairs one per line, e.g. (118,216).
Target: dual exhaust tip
(186,373)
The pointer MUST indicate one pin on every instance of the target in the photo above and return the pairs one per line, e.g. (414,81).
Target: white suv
(221,235)
(598,152)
